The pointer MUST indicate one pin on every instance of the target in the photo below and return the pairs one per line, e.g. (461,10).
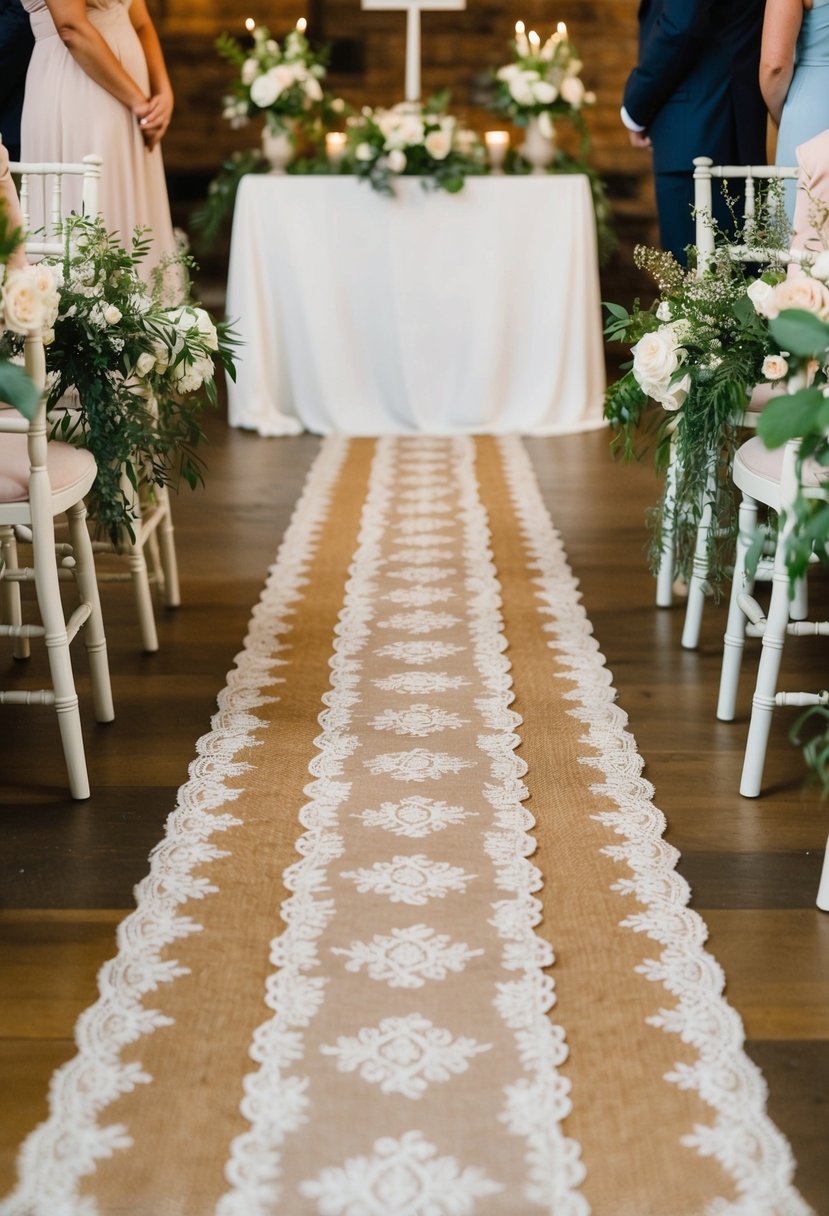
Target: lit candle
(561,29)
(302,25)
(535,42)
(521,44)
(497,143)
(250,24)
(334,147)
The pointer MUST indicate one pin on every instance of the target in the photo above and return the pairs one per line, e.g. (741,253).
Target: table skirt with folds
(446,314)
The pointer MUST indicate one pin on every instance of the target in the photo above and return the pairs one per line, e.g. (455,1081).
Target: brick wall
(367,67)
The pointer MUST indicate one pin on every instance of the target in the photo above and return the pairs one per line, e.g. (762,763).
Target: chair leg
(140,574)
(699,575)
(735,630)
(665,573)
(763,701)
(11,611)
(93,634)
(167,543)
(60,665)
(823,889)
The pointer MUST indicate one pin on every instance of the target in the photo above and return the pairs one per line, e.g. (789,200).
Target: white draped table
(445,314)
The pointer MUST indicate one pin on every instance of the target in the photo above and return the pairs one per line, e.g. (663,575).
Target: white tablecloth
(365,315)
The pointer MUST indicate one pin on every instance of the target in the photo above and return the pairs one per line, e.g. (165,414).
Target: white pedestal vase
(278,147)
(539,146)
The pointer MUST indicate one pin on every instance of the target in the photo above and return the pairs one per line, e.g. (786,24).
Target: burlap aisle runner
(336,996)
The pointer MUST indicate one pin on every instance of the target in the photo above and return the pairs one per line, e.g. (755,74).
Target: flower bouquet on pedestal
(413,140)
(280,82)
(542,84)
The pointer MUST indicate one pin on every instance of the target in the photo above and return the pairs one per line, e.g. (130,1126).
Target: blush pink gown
(66,115)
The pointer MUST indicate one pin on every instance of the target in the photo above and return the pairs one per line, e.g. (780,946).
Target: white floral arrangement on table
(542,81)
(413,141)
(278,80)
(135,370)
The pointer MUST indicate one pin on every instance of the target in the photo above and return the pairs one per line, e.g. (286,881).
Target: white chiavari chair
(44,185)
(40,479)
(705,173)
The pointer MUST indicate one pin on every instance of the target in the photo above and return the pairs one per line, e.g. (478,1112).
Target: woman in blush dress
(97,82)
(794,76)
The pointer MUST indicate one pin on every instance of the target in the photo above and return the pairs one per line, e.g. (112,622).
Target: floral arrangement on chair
(128,374)
(699,351)
(411,140)
(28,301)
(543,82)
(279,81)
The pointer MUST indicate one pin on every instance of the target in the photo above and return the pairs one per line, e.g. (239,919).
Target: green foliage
(800,333)
(208,220)
(815,748)
(134,371)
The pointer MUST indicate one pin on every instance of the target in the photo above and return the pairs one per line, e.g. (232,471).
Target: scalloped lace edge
(66,1147)
(743,1139)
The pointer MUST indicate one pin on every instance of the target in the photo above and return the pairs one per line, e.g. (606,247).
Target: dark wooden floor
(68,869)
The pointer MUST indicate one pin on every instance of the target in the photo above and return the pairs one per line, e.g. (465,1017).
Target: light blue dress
(806,109)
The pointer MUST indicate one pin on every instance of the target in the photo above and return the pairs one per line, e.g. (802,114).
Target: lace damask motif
(423,573)
(66,1148)
(418,721)
(415,816)
(742,1138)
(405,1055)
(536,1104)
(416,682)
(402,1177)
(418,653)
(407,958)
(412,880)
(417,765)
(420,597)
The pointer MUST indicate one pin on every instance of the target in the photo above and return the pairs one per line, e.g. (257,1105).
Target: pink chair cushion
(67,466)
(758,459)
(762,394)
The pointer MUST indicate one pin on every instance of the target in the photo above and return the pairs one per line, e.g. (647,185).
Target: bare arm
(780,29)
(90,52)
(155,121)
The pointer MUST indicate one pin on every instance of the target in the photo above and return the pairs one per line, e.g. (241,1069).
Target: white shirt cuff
(628,121)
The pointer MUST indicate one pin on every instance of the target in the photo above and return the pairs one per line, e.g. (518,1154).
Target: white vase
(277,147)
(539,149)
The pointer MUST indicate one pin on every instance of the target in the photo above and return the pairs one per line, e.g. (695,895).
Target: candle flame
(535,40)
(302,25)
(561,28)
(250,24)
(519,27)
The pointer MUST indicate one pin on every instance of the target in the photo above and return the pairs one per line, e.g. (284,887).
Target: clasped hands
(153,115)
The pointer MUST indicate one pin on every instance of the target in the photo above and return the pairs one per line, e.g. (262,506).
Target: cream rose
(572,90)
(545,92)
(397,160)
(655,359)
(112,315)
(760,293)
(775,367)
(672,398)
(145,363)
(264,90)
(364,152)
(820,270)
(23,306)
(799,292)
(249,70)
(438,144)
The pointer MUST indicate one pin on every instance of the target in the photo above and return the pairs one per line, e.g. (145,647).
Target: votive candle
(497,143)
(334,147)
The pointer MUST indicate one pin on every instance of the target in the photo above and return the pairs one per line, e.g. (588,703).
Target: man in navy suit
(695,92)
(16,44)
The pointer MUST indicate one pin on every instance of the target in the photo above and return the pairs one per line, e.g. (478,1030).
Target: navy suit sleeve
(669,47)
(16,43)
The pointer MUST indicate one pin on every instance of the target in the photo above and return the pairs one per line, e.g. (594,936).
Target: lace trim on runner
(66,1147)
(742,1138)
(537,1103)
(275,1103)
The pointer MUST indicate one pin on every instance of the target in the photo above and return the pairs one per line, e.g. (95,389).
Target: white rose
(760,292)
(48,336)
(522,86)
(145,363)
(22,304)
(265,90)
(509,72)
(655,359)
(112,315)
(284,76)
(545,93)
(207,329)
(775,367)
(466,141)
(663,312)
(250,69)
(438,144)
(820,270)
(674,397)
(800,292)
(397,160)
(338,105)
(313,89)
(364,152)
(572,90)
